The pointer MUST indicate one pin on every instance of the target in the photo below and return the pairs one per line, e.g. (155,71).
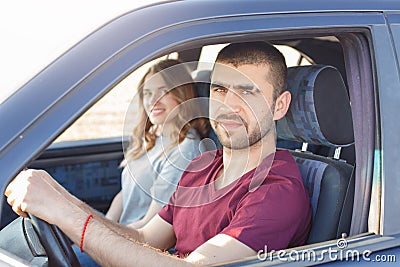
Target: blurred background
(34,33)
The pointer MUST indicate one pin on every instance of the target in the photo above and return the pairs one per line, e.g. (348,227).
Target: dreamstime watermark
(330,254)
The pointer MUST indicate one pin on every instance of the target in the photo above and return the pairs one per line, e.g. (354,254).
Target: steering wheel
(57,246)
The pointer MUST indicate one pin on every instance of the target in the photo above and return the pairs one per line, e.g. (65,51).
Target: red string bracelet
(84,231)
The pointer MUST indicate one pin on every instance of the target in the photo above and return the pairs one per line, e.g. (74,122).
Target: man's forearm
(82,210)
(109,243)
(106,242)
(110,249)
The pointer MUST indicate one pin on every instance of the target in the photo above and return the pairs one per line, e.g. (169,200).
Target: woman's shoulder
(192,134)
(190,147)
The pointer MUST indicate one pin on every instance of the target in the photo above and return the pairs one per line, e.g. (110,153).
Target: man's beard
(245,137)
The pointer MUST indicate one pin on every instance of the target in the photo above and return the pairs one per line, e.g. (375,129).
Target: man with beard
(229,203)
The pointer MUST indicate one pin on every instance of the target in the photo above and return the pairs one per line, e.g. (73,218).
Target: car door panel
(89,169)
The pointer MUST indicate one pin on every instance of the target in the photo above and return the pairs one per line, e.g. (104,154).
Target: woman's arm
(154,208)
(115,210)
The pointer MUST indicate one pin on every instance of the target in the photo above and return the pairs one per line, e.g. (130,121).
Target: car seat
(320,114)
(202,84)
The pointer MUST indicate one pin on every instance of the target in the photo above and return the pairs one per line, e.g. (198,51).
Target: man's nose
(233,101)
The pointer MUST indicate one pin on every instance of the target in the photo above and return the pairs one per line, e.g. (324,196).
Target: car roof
(287,6)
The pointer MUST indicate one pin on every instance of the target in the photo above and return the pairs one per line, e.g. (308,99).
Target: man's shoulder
(282,155)
(282,187)
(280,173)
(284,165)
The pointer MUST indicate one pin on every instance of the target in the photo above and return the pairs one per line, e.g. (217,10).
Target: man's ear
(282,104)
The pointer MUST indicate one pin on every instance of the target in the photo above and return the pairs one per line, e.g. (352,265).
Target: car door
(120,47)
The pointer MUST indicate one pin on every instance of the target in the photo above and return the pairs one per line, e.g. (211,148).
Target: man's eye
(147,94)
(219,89)
(250,91)
(247,92)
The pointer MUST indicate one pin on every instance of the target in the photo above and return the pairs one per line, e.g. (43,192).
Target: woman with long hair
(165,140)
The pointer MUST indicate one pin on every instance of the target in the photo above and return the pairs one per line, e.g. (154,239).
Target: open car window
(106,118)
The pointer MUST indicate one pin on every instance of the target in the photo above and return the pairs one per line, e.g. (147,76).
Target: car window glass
(106,118)
(293,57)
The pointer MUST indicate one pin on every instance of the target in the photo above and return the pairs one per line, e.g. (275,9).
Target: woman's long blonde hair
(181,85)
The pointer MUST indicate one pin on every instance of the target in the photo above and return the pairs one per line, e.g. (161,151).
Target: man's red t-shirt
(266,207)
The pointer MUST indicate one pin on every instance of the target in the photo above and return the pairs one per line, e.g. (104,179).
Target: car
(351,47)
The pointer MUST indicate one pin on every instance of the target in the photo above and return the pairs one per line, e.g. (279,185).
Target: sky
(34,33)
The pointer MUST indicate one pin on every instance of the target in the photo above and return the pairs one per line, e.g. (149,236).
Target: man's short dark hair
(258,53)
